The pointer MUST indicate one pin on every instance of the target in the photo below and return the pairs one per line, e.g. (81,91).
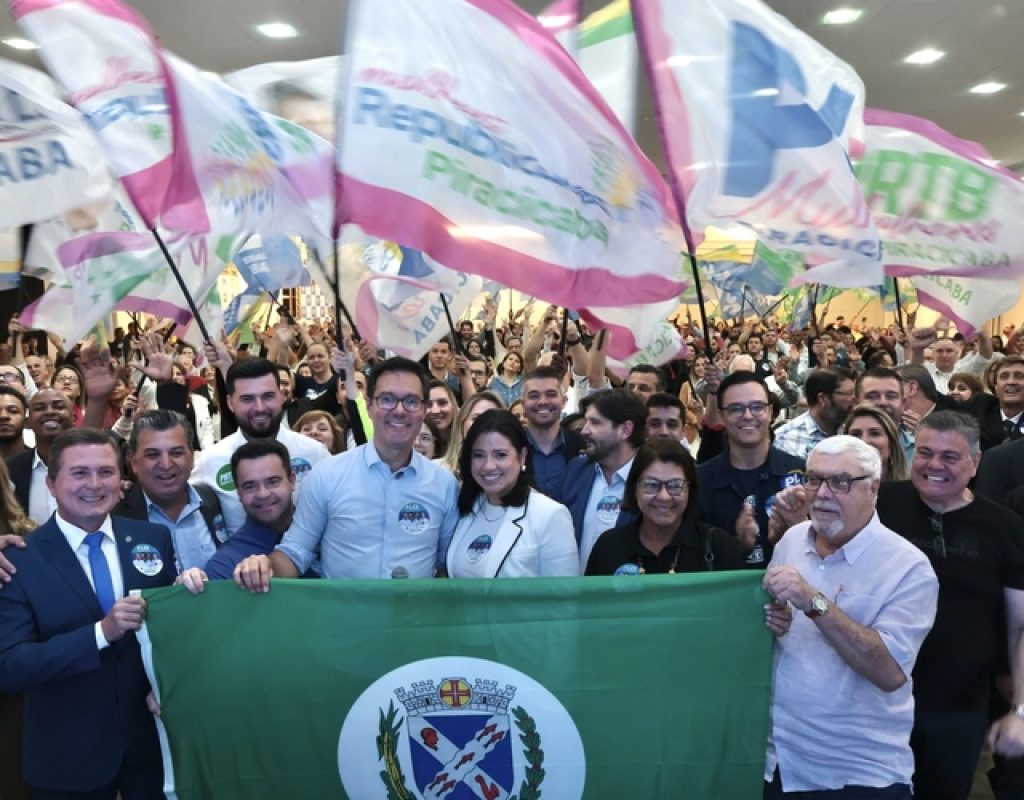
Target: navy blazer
(84,707)
(579,480)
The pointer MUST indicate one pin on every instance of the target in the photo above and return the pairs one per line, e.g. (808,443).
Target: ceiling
(982,41)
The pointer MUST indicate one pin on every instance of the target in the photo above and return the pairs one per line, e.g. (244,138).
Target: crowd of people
(875,477)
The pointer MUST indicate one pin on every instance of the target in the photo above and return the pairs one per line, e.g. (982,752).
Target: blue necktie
(100,572)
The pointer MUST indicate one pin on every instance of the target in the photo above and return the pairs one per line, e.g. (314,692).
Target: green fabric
(665,676)
(593,32)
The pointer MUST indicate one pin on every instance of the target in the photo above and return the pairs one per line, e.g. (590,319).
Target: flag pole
(565,331)
(181,284)
(772,307)
(456,339)
(899,305)
(676,189)
(339,305)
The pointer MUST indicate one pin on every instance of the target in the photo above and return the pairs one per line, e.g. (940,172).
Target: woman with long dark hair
(506,529)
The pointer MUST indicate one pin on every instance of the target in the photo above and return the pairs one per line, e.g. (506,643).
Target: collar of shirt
(193,504)
(76,535)
(37,461)
(854,548)
(373,461)
(559,441)
(1015,419)
(621,473)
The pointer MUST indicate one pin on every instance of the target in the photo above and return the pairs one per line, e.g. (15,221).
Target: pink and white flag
(468,134)
(193,154)
(757,120)
(49,158)
(943,205)
(561,20)
(126,271)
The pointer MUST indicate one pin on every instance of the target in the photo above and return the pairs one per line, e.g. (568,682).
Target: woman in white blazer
(507,530)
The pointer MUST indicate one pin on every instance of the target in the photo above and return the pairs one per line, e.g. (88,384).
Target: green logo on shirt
(225,480)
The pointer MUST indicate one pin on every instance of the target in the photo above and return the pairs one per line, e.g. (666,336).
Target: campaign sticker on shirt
(147,560)
(627,569)
(792,479)
(414,518)
(225,480)
(608,509)
(301,468)
(479,547)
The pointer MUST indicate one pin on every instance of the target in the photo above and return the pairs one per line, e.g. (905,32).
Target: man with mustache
(842,701)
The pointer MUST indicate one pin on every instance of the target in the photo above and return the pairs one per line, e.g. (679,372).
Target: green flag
(624,687)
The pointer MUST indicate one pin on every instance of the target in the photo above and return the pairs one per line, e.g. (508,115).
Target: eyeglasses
(737,410)
(390,402)
(651,486)
(67,378)
(10,377)
(837,484)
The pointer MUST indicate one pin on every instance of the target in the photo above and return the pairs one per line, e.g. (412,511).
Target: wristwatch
(819,606)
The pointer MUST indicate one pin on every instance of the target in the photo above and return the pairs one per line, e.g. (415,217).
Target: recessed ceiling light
(842,16)
(928,55)
(277,30)
(17,43)
(988,87)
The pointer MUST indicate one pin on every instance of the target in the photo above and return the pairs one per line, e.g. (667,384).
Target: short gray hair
(867,456)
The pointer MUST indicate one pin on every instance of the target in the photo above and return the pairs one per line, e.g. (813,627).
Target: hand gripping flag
(757,119)
(49,159)
(468,134)
(193,154)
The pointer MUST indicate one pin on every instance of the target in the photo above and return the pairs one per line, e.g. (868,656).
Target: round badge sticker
(301,468)
(608,509)
(479,547)
(455,727)
(147,560)
(225,480)
(414,518)
(627,569)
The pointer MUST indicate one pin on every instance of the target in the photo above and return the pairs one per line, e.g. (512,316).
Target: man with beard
(13,410)
(261,470)
(254,397)
(830,396)
(842,695)
(161,456)
(49,413)
(977,550)
(614,428)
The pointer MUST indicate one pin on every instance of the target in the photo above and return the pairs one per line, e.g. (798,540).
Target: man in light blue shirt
(161,456)
(379,511)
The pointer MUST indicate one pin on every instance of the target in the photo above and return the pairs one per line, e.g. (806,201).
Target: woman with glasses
(666,537)
(874,426)
(68,381)
(507,529)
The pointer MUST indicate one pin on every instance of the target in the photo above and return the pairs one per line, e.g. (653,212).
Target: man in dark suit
(594,485)
(67,623)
